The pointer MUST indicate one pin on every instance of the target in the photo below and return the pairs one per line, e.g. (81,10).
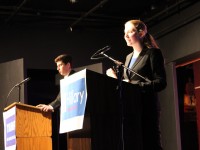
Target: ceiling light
(73,1)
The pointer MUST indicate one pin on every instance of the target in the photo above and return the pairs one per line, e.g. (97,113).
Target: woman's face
(130,34)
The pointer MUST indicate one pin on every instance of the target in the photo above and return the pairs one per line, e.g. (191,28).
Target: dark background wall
(39,46)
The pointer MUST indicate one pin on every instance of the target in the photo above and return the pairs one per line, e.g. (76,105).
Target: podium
(112,118)
(32,127)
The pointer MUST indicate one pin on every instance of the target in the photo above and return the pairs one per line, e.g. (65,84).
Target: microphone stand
(118,63)
(19,91)
(121,104)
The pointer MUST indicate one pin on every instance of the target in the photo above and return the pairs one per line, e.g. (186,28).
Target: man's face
(63,68)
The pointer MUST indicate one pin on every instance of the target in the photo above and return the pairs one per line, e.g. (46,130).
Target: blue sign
(74,97)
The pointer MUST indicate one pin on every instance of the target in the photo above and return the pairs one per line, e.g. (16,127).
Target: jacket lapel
(128,59)
(141,55)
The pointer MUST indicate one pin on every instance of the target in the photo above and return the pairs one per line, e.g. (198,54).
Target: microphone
(22,82)
(17,85)
(100,52)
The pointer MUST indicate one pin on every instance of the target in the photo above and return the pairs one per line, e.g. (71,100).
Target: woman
(146,60)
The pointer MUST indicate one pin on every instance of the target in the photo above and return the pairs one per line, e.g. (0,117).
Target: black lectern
(113,118)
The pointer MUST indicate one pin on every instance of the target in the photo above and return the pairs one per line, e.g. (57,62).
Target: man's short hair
(65,58)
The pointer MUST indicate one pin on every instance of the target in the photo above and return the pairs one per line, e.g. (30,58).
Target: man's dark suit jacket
(56,103)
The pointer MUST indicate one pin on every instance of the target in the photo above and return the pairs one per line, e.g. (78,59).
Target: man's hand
(45,108)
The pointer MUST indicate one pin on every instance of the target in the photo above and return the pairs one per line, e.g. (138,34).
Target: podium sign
(9,118)
(73,102)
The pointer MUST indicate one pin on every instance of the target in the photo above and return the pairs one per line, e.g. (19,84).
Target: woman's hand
(111,73)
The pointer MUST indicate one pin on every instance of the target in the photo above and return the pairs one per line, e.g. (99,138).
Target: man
(64,67)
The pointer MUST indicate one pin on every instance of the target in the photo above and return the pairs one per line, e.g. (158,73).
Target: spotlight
(73,1)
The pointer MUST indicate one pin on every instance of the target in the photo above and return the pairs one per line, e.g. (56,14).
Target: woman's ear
(142,34)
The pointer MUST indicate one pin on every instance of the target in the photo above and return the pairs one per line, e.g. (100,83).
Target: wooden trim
(187,63)
(19,104)
(197,87)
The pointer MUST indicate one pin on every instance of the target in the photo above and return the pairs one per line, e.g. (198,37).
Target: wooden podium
(33,128)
